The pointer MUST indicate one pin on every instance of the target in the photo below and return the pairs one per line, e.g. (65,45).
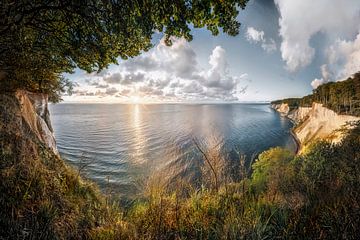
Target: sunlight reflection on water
(128,142)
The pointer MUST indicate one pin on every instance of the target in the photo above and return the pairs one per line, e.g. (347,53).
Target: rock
(299,115)
(25,113)
(316,122)
(322,123)
(282,108)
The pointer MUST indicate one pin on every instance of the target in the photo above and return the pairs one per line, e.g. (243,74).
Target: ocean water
(120,145)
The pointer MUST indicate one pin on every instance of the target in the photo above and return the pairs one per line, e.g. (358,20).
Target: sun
(135,99)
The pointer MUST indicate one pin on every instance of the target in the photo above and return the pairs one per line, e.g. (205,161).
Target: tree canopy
(342,97)
(41,39)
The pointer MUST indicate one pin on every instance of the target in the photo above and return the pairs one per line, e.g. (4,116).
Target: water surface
(121,144)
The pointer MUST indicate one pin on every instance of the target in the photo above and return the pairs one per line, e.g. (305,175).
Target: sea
(120,146)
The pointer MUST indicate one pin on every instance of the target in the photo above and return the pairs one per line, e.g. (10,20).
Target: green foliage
(326,180)
(310,196)
(40,40)
(314,195)
(343,97)
(271,165)
(41,197)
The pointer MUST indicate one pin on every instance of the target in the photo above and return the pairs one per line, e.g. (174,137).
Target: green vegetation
(41,197)
(315,195)
(40,40)
(342,97)
(310,196)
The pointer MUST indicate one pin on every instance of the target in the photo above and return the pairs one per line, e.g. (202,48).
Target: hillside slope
(321,115)
(343,97)
(316,122)
(41,197)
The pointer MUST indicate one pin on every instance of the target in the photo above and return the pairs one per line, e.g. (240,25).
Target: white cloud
(179,59)
(113,78)
(325,73)
(171,72)
(345,57)
(258,36)
(301,19)
(111,91)
(254,35)
(326,77)
(317,82)
(218,75)
(269,46)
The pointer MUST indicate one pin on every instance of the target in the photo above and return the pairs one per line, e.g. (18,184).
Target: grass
(42,198)
(314,195)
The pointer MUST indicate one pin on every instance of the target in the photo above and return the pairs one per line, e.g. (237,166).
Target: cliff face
(25,113)
(40,196)
(316,122)
(282,108)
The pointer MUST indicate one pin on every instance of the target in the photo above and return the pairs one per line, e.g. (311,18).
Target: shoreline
(297,141)
(292,133)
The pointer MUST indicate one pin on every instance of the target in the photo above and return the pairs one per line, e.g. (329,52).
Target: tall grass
(309,196)
(315,195)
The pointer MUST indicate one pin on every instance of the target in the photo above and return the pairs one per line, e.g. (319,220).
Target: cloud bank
(258,36)
(338,21)
(169,73)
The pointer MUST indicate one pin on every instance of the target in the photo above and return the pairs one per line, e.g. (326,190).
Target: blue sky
(284,49)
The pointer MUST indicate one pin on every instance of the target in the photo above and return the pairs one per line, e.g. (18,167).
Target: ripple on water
(128,142)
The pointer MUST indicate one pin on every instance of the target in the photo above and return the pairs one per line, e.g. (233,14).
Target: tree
(342,97)
(41,39)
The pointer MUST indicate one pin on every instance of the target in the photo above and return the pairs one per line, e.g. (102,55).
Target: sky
(284,49)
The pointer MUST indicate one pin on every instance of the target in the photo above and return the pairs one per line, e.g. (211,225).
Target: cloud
(326,77)
(148,91)
(114,78)
(325,73)
(345,54)
(218,75)
(124,78)
(253,35)
(243,89)
(317,82)
(258,36)
(269,46)
(159,83)
(176,84)
(102,85)
(91,82)
(193,87)
(124,93)
(130,78)
(111,91)
(178,59)
(301,19)
(82,92)
(142,62)
(172,72)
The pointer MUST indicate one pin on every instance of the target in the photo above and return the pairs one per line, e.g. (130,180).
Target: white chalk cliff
(316,122)
(26,113)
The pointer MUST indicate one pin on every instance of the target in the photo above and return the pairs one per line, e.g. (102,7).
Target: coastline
(293,134)
(296,139)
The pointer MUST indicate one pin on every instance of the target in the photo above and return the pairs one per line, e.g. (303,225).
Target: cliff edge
(41,197)
(316,122)
(25,113)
